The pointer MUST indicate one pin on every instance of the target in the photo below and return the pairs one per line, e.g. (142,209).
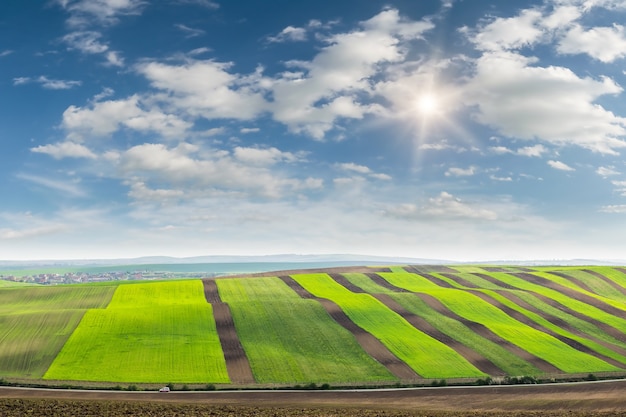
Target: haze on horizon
(441,129)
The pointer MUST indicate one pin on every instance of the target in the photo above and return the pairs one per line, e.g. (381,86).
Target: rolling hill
(349,326)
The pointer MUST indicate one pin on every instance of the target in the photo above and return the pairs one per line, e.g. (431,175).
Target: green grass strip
(156,332)
(556,329)
(292,340)
(531,340)
(569,284)
(426,355)
(576,305)
(502,358)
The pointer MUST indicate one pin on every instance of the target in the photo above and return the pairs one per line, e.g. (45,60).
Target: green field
(35,322)
(163,332)
(156,332)
(292,340)
(427,356)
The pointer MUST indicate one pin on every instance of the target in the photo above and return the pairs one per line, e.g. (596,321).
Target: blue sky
(447,129)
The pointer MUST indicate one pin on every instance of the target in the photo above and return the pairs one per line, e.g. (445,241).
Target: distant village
(84,277)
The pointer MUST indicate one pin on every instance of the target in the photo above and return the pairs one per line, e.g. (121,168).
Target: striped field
(378,325)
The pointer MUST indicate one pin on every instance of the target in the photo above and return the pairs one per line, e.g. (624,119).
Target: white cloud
(47,83)
(550,104)
(362,170)
(202,173)
(461,172)
(264,157)
(6,52)
(614,209)
(65,150)
(106,117)
(508,33)
(349,166)
(532,151)
(86,41)
(189,32)
(206,89)
(290,34)
(605,44)
(607,171)
(443,207)
(105,12)
(114,59)
(327,88)
(560,166)
(245,130)
(501,179)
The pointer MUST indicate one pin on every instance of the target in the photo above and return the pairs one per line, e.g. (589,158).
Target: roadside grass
(35,322)
(502,358)
(426,355)
(473,308)
(155,332)
(289,339)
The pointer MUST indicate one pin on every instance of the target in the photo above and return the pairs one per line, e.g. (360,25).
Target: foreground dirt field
(598,399)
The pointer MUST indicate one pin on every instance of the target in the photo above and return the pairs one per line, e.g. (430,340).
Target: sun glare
(428,104)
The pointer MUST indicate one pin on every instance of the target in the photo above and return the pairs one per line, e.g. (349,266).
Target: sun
(428,105)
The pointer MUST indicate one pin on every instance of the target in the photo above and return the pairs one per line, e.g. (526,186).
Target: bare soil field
(581,399)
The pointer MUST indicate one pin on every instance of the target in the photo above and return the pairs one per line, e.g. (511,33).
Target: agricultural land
(398,326)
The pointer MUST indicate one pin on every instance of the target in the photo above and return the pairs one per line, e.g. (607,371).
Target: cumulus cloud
(106,117)
(526,101)
(206,89)
(359,169)
(607,171)
(605,44)
(65,150)
(328,87)
(461,172)
(201,173)
(508,33)
(104,12)
(558,165)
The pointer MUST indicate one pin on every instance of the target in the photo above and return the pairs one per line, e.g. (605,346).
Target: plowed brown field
(582,399)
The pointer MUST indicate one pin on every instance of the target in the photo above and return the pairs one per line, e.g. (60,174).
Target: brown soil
(496,282)
(430,277)
(529,400)
(572,279)
(237,364)
(483,331)
(384,283)
(341,280)
(431,268)
(369,343)
(461,281)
